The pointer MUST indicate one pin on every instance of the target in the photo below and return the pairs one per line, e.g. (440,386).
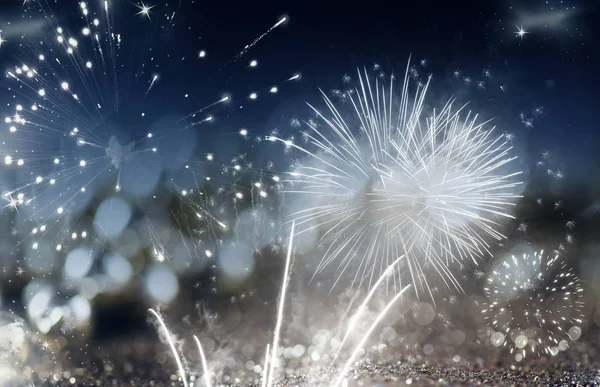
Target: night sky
(554,65)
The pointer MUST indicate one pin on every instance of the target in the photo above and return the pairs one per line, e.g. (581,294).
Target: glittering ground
(142,363)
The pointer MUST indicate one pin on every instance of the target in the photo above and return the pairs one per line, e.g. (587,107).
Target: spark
(274,362)
(203,360)
(255,41)
(366,336)
(521,32)
(535,293)
(434,186)
(266,367)
(167,333)
(144,10)
(294,77)
(363,306)
(1,40)
(154,79)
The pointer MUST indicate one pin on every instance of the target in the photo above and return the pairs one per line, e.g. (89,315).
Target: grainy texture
(145,364)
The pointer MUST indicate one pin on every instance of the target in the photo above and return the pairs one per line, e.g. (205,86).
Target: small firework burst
(534,304)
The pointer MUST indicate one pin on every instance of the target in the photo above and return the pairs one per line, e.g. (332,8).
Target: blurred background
(148,182)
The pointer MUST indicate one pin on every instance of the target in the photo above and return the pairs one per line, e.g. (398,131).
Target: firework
(77,125)
(534,304)
(390,179)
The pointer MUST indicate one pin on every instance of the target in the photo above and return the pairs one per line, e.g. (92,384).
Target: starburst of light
(534,304)
(1,40)
(521,32)
(389,179)
(145,10)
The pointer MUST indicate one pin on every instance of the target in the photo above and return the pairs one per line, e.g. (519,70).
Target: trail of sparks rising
(534,304)
(366,336)
(204,363)
(171,345)
(265,375)
(274,362)
(432,187)
(363,306)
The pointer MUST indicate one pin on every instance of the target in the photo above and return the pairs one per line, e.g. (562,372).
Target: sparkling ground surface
(138,364)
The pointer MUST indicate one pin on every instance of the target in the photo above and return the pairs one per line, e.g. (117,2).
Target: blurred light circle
(141,177)
(78,263)
(423,313)
(428,349)
(236,261)
(41,257)
(38,297)
(176,149)
(81,310)
(256,227)
(521,341)
(497,339)
(117,268)
(574,333)
(129,244)
(112,217)
(161,283)
(563,345)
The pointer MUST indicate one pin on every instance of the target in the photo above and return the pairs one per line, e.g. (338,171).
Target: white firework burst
(389,179)
(534,304)
(86,115)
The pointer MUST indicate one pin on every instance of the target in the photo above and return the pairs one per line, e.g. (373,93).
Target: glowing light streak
(167,333)
(338,381)
(206,375)
(274,355)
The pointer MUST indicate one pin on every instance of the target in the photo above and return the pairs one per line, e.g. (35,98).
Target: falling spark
(274,353)
(255,41)
(172,345)
(151,84)
(294,77)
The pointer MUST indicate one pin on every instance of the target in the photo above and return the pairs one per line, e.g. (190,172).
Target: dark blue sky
(554,66)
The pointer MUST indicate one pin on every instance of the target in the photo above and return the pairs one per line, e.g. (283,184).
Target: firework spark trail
(154,78)
(359,312)
(172,345)
(266,367)
(366,336)
(274,355)
(534,304)
(432,187)
(70,83)
(204,363)
(255,41)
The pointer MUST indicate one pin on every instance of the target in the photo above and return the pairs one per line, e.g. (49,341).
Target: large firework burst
(534,304)
(390,179)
